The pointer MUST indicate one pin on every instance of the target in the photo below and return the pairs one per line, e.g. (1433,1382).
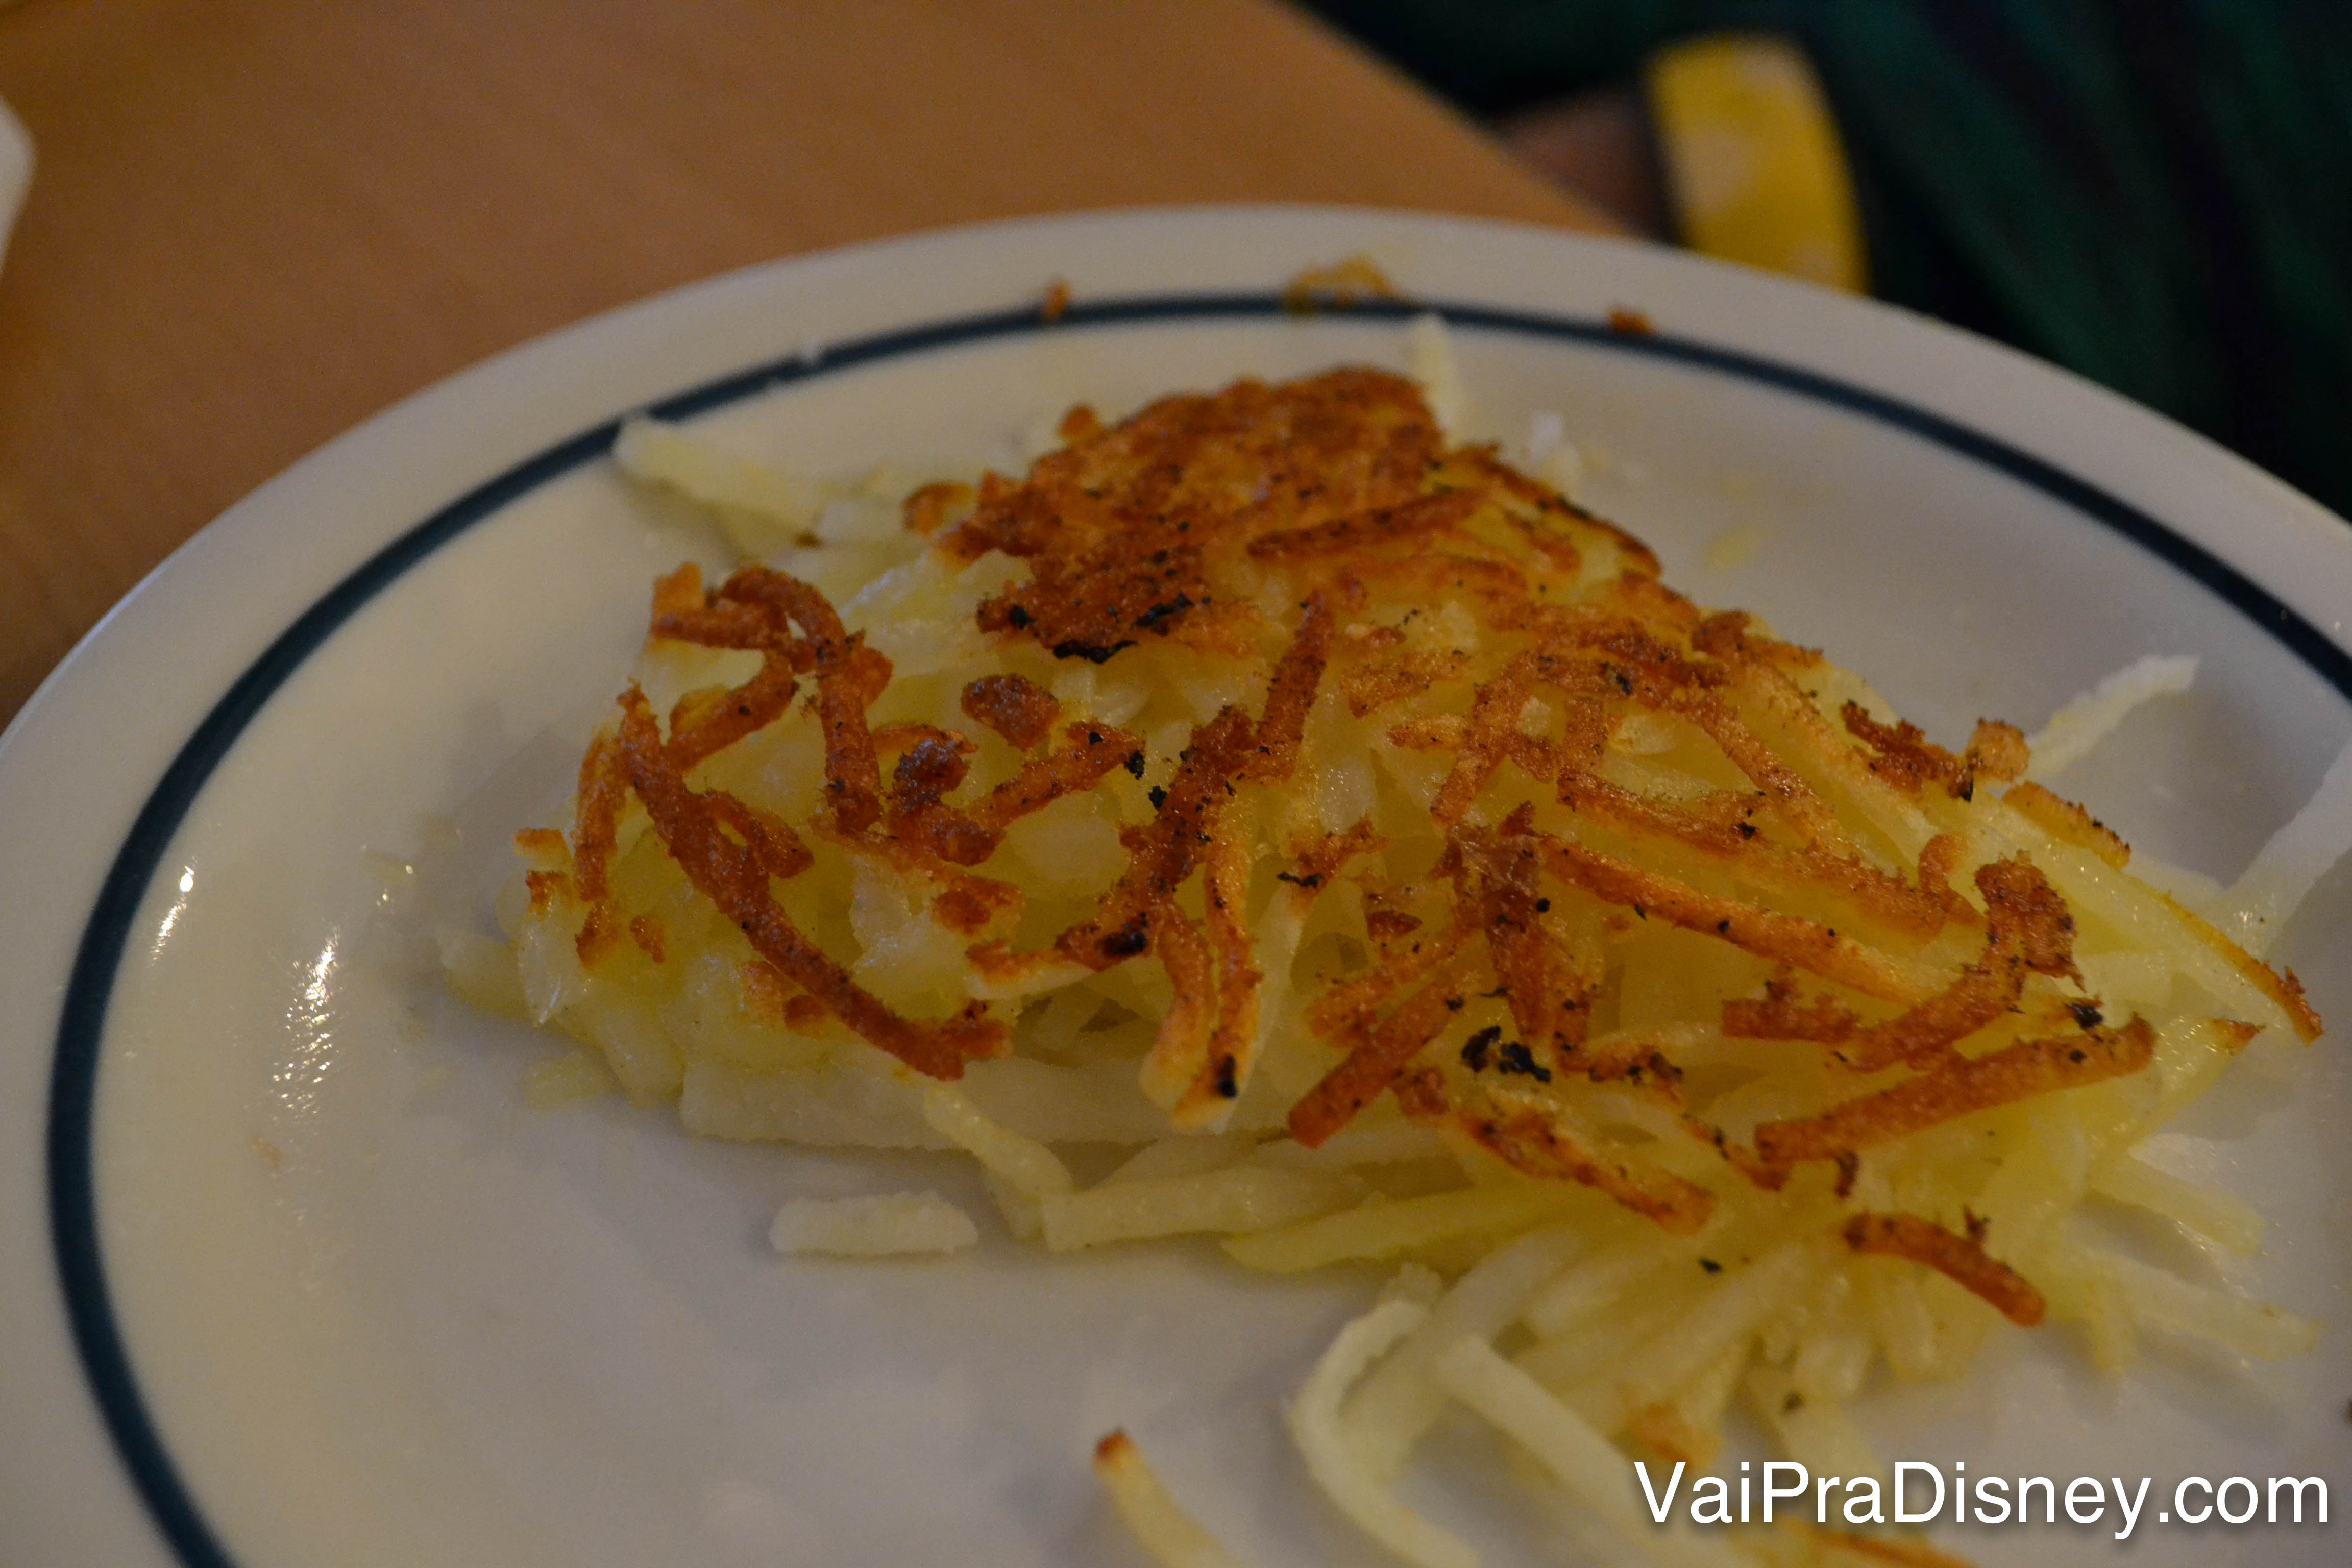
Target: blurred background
(2155,193)
(252,224)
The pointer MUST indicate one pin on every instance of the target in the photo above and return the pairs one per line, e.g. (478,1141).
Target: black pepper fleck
(1093,653)
(1515,1058)
(1125,941)
(1149,620)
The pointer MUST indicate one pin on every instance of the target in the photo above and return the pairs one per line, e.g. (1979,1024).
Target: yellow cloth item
(1753,163)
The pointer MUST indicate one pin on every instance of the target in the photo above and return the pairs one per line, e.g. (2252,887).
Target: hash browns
(1371,824)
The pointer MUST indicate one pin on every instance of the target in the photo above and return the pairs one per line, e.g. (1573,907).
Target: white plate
(343,1300)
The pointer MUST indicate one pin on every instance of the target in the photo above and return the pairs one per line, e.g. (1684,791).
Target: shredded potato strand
(734,878)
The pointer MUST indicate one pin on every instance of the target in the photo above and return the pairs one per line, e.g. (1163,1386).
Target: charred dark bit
(1312,880)
(1019,617)
(2086,1014)
(1475,1049)
(1710,1264)
(1159,797)
(1228,1083)
(1077,647)
(1134,765)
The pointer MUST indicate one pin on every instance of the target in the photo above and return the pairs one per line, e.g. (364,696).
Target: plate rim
(79,1038)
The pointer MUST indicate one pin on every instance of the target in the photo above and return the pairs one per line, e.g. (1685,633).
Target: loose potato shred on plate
(1445,857)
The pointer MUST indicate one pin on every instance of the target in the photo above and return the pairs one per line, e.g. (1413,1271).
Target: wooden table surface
(254,223)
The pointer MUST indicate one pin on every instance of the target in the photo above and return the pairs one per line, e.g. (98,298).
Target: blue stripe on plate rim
(73,1216)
